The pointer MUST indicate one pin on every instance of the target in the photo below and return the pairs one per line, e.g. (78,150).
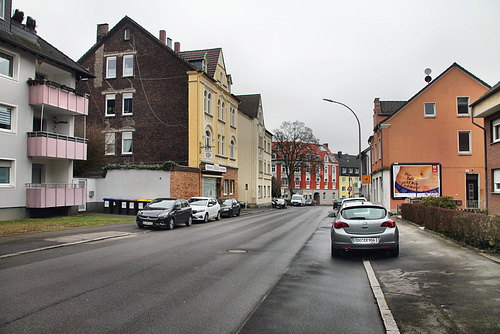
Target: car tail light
(390,223)
(339,224)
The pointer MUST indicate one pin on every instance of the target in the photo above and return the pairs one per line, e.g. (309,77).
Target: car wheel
(394,252)
(231,213)
(239,211)
(205,220)
(140,226)
(336,252)
(170,224)
(218,215)
(189,221)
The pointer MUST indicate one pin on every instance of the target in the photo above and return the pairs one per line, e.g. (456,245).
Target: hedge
(469,228)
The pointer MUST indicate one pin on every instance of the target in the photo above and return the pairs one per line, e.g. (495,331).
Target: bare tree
(295,146)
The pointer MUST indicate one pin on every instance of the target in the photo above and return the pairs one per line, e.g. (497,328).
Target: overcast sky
(295,53)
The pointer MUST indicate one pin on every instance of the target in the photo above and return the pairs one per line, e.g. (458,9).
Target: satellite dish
(427,71)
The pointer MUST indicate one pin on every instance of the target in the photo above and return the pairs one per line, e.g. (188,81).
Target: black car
(229,207)
(165,213)
(337,203)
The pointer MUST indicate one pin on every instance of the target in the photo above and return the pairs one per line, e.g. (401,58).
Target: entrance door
(209,187)
(471,185)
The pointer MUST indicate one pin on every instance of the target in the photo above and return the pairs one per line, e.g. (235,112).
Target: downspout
(485,159)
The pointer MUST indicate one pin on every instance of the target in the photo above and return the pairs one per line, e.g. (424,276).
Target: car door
(213,207)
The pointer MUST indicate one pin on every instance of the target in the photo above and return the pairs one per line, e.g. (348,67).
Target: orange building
(428,145)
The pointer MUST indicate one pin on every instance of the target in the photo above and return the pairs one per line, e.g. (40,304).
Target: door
(209,187)
(471,185)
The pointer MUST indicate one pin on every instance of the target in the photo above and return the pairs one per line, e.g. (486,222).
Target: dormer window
(126,34)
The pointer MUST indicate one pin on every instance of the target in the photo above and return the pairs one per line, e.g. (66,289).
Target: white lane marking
(386,314)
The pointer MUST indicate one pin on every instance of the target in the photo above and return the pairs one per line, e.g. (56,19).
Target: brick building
(487,107)
(154,103)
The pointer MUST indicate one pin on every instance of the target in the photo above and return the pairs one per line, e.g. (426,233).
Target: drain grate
(236,251)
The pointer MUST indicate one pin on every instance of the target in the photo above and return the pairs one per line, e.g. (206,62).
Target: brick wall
(185,182)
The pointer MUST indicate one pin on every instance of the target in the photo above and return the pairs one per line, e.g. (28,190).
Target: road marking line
(121,235)
(386,314)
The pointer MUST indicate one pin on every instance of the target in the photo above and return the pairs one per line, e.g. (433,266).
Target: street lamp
(359,135)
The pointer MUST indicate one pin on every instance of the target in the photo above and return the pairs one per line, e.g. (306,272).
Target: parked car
(229,207)
(337,203)
(364,226)
(353,200)
(298,200)
(279,203)
(205,208)
(165,213)
(310,202)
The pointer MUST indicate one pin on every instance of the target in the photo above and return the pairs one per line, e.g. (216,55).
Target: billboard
(415,180)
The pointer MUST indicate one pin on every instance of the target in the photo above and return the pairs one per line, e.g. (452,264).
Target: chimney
(163,36)
(177,46)
(169,42)
(339,153)
(102,30)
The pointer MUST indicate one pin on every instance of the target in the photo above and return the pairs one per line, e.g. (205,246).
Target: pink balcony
(52,94)
(51,145)
(52,195)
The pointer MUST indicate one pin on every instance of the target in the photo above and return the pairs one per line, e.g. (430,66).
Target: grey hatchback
(364,226)
(165,213)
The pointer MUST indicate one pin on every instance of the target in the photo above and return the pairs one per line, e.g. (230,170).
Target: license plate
(147,223)
(365,240)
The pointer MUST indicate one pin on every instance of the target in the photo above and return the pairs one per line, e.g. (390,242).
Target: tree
(276,187)
(295,146)
(95,148)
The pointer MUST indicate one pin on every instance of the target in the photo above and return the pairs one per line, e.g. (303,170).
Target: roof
(347,160)
(249,104)
(210,55)
(390,107)
(43,49)
(454,65)
(493,90)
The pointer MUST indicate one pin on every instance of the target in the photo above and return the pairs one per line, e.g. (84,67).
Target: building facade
(349,180)
(155,104)
(316,180)
(428,146)
(487,107)
(255,177)
(38,107)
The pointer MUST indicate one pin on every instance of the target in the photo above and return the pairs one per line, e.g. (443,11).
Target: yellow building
(213,128)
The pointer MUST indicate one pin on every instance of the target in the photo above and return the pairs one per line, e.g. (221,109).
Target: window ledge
(463,115)
(206,113)
(464,153)
(429,116)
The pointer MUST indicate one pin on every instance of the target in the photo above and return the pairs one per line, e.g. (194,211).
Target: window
(464,144)
(284,182)
(110,67)
(343,188)
(109,140)
(344,179)
(128,65)
(208,140)
(110,104)
(219,151)
(218,109)
(5,118)
(226,187)
(2,9)
(231,187)
(6,63)
(273,168)
(127,104)
(232,116)
(344,170)
(429,109)
(496,180)
(209,103)
(231,148)
(463,106)
(126,34)
(205,101)
(6,177)
(297,182)
(221,109)
(495,127)
(223,145)
(127,143)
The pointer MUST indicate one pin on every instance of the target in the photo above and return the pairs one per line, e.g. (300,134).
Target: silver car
(364,226)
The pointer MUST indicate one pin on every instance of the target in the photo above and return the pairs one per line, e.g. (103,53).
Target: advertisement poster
(415,180)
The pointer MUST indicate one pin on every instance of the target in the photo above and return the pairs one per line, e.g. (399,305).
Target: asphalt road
(268,272)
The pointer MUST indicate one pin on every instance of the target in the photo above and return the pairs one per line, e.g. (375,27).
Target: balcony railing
(50,195)
(58,96)
(52,145)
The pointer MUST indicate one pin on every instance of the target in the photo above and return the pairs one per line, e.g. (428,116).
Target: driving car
(165,213)
(229,207)
(279,203)
(205,208)
(364,226)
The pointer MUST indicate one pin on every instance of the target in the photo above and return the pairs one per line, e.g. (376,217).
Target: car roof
(362,204)
(202,197)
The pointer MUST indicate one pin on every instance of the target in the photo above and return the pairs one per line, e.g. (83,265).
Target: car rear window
(364,213)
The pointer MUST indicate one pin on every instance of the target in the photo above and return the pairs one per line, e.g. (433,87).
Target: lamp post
(359,136)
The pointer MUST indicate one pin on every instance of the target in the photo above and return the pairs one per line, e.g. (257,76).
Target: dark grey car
(229,207)
(165,213)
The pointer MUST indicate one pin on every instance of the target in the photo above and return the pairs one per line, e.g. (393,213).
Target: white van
(298,200)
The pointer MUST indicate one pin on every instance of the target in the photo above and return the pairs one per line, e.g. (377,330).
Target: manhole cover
(236,251)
